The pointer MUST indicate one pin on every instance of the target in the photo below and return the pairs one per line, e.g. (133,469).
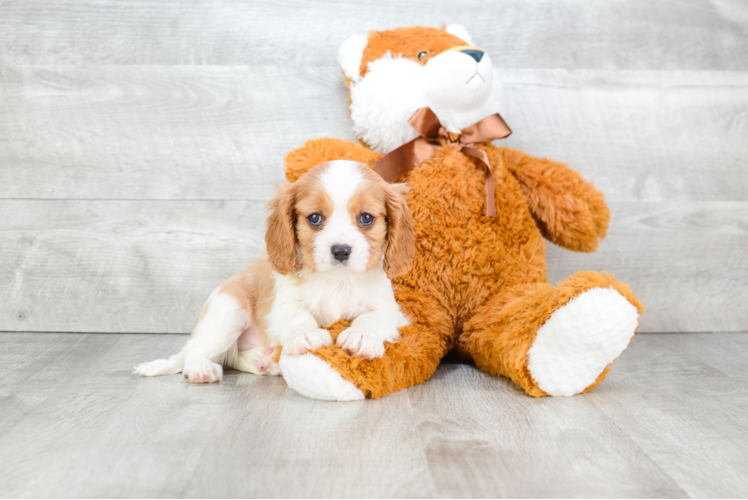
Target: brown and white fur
(334,239)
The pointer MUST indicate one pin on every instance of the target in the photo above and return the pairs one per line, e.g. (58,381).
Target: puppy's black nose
(341,252)
(475,54)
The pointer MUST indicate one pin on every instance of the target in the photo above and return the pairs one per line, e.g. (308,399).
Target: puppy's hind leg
(258,360)
(255,354)
(214,339)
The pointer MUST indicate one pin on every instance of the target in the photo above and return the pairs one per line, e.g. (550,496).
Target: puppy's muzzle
(341,252)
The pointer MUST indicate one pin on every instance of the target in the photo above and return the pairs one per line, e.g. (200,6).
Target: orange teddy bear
(426,101)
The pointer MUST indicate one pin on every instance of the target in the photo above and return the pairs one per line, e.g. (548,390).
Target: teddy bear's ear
(459,31)
(350,55)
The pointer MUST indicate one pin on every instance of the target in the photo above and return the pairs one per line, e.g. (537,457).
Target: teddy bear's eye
(421,55)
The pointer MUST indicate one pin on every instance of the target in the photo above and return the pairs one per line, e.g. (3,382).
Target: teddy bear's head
(391,74)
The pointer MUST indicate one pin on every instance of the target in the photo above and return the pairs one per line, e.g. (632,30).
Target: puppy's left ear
(401,238)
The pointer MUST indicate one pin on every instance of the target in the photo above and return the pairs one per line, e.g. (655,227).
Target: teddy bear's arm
(316,151)
(569,211)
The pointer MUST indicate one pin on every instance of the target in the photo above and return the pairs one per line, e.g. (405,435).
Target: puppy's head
(340,216)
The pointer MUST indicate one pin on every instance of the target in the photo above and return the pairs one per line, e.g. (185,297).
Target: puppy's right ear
(401,239)
(280,237)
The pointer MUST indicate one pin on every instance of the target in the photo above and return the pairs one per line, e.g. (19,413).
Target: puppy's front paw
(356,342)
(307,342)
(203,371)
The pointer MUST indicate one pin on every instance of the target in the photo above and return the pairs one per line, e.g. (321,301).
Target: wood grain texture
(686,261)
(25,387)
(106,433)
(100,436)
(147,266)
(120,266)
(142,132)
(638,135)
(624,34)
(152,132)
(366,449)
(685,414)
(666,423)
(140,141)
(712,353)
(472,439)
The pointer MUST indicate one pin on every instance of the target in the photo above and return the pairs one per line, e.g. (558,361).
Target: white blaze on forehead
(340,180)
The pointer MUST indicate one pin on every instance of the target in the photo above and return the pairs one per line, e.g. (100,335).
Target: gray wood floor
(670,421)
(139,142)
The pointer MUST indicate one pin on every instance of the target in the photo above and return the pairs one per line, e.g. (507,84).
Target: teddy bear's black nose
(474,53)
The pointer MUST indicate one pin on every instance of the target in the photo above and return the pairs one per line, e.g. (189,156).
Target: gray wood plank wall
(139,142)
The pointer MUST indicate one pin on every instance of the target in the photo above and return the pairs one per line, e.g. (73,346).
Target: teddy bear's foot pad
(311,377)
(580,340)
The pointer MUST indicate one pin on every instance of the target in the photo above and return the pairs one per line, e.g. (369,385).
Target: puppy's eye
(421,55)
(366,219)
(315,219)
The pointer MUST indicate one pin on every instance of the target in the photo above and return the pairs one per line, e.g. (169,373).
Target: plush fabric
(478,284)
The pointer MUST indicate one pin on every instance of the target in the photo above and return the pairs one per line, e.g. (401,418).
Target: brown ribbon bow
(433,135)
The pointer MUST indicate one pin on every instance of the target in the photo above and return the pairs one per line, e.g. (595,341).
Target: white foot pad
(580,339)
(311,377)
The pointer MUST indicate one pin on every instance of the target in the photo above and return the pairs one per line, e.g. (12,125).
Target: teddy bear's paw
(202,371)
(314,378)
(580,340)
(356,342)
(307,342)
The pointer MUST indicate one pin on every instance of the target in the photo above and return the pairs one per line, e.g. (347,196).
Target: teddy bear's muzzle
(476,54)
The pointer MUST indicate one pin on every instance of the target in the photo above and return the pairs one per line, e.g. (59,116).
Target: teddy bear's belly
(464,257)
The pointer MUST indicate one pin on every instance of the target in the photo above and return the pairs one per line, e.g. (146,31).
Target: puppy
(334,239)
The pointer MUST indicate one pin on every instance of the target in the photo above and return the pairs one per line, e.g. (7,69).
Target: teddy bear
(426,104)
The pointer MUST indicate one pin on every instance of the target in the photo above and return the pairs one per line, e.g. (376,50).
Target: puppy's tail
(174,364)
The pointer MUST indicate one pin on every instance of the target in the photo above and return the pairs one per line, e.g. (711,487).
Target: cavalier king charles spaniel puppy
(334,239)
